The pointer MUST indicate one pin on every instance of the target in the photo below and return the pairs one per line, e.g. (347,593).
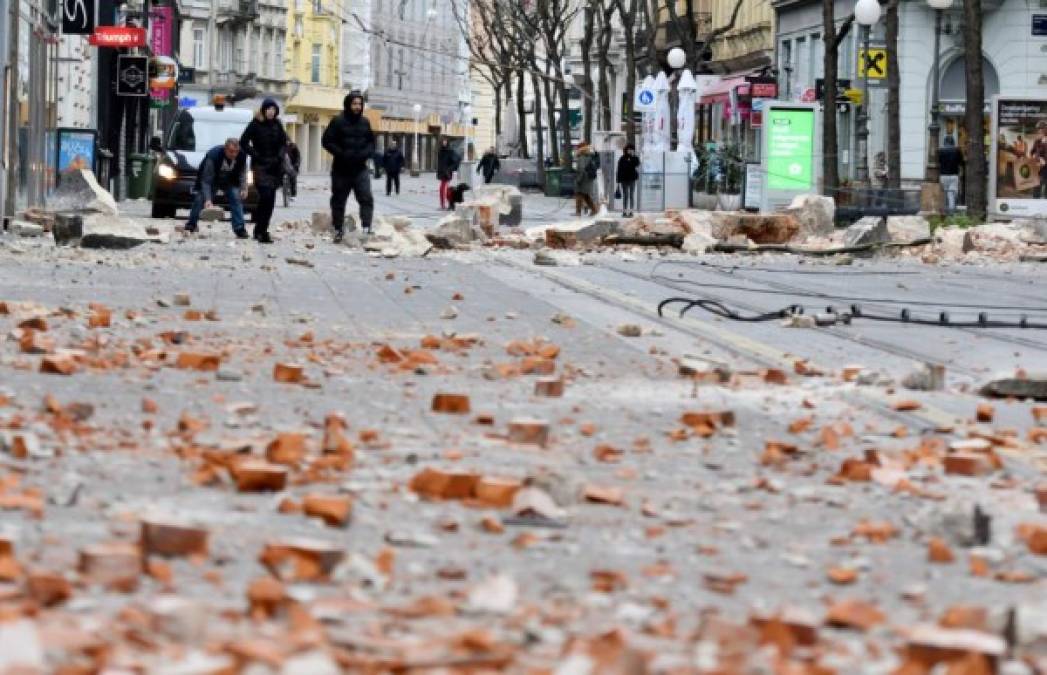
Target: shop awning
(720,92)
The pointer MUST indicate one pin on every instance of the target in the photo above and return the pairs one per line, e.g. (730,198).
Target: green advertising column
(789,152)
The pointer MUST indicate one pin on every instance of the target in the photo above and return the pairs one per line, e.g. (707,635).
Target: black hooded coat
(265,142)
(350,141)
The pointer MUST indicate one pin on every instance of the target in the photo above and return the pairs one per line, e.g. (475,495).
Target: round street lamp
(866,14)
(417,121)
(678,57)
(931,196)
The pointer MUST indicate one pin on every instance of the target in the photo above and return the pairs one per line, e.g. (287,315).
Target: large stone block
(779,228)
(868,230)
(79,192)
(815,213)
(904,229)
(100,231)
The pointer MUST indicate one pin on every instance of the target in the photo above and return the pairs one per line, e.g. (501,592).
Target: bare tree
(832,36)
(973,116)
(605,72)
(894,105)
(628,14)
(586,44)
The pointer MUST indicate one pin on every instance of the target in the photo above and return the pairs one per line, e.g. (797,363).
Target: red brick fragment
(334,510)
(288,373)
(116,566)
(173,539)
(451,404)
(549,387)
(259,476)
(938,551)
(301,559)
(985,412)
(48,588)
(287,448)
(198,361)
(967,464)
(529,432)
(58,365)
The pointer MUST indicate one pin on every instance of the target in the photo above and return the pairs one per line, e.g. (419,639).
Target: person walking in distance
(393,161)
(489,165)
(265,142)
(627,174)
(587,165)
(446,165)
(950,160)
(224,168)
(350,141)
(294,155)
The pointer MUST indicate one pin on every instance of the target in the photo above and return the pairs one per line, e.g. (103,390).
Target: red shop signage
(117,36)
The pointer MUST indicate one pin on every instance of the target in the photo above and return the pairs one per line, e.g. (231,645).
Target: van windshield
(192,135)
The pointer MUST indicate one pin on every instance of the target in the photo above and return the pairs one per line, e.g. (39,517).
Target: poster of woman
(1019,185)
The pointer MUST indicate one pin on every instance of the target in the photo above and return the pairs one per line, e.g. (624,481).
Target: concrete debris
(456,230)
(95,230)
(23,228)
(630,330)
(697,243)
(905,229)
(927,377)
(394,238)
(1032,386)
(580,232)
(213,214)
(867,230)
(80,192)
(780,228)
(814,213)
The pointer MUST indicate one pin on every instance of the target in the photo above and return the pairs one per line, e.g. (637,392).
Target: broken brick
(288,373)
(985,412)
(334,510)
(854,614)
(198,361)
(907,405)
(604,495)
(259,476)
(529,432)
(967,464)
(938,551)
(173,539)
(451,404)
(387,354)
(1035,537)
(116,566)
(266,597)
(496,492)
(842,575)
(286,448)
(58,365)
(435,484)
(301,559)
(48,588)
(549,387)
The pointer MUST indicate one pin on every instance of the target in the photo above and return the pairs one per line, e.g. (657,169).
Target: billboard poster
(790,149)
(1019,150)
(75,149)
(160,27)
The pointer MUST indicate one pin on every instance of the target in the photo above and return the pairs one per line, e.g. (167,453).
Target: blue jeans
(236,207)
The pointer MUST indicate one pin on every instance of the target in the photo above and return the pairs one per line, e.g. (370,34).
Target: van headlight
(167,172)
(250,177)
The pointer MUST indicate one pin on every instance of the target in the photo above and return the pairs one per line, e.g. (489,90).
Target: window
(198,47)
(265,63)
(400,72)
(318,6)
(298,5)
(316,64)
(279,57)
(389,67)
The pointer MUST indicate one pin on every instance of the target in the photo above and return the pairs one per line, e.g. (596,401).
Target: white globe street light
(417,121)
(867,12)
(678,57)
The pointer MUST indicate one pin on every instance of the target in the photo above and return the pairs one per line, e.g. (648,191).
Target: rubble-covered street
(495,456)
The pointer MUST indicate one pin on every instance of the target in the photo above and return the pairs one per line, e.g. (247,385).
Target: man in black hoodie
(265,142)
(350,140)
(393,163)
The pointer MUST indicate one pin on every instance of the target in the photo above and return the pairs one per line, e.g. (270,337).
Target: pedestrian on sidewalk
(446,164)
(627,174)
(394,163)
(223,169)
(265,142)
(489,165)
(294,155)
(950,160)
(350,140)
(586,166)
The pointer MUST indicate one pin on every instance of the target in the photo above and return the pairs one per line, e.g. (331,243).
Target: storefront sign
(161,25)
(789,152)
(1018,181)
(75,149)
(117,36)
(78,17)
(132,75)
(1039,24)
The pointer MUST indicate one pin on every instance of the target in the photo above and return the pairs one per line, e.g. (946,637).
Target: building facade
(314,58)
(235,48)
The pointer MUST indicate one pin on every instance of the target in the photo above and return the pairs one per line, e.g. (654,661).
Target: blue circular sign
(647,97)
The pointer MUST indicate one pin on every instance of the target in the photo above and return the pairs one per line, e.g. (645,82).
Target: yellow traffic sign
(854,96)
(873,65)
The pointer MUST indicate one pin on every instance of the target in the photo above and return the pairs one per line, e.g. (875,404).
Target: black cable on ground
(723,247)
(831,317)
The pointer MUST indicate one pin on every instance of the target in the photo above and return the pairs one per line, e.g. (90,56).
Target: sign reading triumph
(789,152)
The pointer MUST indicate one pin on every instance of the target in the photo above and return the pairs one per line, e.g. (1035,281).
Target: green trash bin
(552,182)
(140,182)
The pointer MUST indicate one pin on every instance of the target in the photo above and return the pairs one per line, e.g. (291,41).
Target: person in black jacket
(446,165)
(489,165)
(350,140)
(627,174)
(393,162)
(223,168)
(950,161)
(265,142)
(295,157)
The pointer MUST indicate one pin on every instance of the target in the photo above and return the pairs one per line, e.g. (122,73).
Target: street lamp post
(931,195)
(866,14)
(417,122)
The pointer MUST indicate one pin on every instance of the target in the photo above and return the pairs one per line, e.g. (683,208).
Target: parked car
(193,133)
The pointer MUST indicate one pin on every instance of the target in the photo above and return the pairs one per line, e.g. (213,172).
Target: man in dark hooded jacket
(265,142)
(350,141)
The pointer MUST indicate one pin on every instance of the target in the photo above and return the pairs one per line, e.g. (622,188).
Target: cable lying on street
(832,317)
(724,247)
